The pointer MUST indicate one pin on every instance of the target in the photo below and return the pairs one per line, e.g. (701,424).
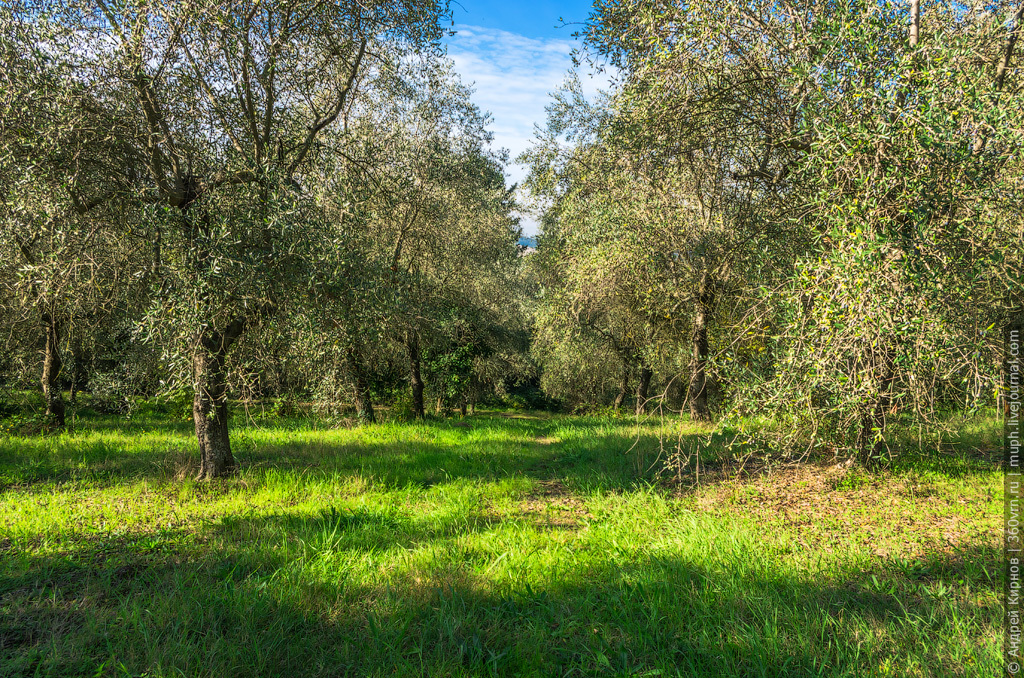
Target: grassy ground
(528,545)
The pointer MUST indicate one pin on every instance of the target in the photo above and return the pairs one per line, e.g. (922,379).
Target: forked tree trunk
(412,343)
(620,398)
(642,388)
(51,370)
(698,391)
(210,400)
(364,404)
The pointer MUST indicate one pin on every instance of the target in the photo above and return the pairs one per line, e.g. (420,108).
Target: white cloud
(513,76)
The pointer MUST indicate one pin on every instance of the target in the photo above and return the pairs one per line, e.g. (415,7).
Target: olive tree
(659,203)
(437,219)
(65,264)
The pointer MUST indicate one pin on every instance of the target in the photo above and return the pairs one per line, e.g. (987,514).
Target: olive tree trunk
(697,395)
(363,401)
(620,397)
(51,370)
(875,419)
(210,400)
(412,343)
(79,374)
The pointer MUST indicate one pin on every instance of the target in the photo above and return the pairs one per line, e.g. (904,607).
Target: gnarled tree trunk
(474,388)
(412,344)
(79,376)
(675,394)
(210,401)
(51,370)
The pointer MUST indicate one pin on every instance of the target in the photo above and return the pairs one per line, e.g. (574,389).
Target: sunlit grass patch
(511,546)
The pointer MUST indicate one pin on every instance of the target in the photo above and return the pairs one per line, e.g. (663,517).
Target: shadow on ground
(155,609)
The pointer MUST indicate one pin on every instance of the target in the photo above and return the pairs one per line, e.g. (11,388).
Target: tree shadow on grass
(253,608)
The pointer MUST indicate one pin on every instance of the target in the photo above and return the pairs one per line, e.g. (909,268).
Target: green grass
(516,546)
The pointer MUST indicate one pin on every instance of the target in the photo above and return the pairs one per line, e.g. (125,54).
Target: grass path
(512,546)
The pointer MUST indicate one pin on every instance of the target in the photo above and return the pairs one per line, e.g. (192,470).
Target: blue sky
(516,54)
(531,19)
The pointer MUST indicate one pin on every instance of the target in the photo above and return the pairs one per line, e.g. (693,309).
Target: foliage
(825,205)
